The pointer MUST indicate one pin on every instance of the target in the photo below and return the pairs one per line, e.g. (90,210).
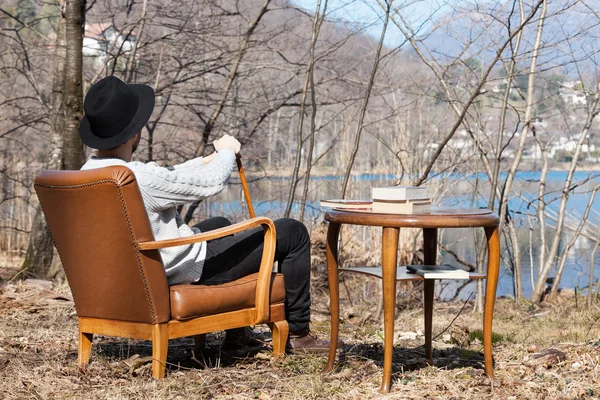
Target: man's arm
(195,163)
(190,181)
(185,183)
(226,142)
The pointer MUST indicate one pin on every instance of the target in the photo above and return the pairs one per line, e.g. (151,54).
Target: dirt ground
(551,352)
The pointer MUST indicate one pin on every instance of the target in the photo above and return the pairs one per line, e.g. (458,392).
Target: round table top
(438,217)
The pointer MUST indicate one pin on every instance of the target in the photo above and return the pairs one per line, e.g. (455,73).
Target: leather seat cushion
(193,301)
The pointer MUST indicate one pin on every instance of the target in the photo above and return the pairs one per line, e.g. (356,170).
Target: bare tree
(38,258)
(544,271)
(365,103)
(232,74)
(73,157)
(591,293)
(308,80)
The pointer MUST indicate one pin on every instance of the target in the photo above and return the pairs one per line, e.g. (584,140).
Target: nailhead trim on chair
(78,186)
(137,255)
(137,252)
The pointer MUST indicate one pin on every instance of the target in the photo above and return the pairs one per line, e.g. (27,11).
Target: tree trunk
(40,250)
(528,119)
(517,272)
(591,296)
(310,79)
(73,156)
(132,55)
(299,142)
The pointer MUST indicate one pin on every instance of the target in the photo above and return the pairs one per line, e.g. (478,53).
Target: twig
(591,326)
(201,363)
(347,292)
(14,277)
(455,317)
(458,258)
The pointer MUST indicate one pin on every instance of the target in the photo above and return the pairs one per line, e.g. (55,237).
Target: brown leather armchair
(103,235)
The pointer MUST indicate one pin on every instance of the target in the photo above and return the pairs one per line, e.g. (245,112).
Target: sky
(370,14)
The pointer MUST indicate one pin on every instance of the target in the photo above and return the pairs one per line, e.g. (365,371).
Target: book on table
(346,204)
(438,271)
(402,207)
(396,193)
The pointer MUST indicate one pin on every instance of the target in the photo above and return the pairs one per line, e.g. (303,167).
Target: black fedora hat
(114,112)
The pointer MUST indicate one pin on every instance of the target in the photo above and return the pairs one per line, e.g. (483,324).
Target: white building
(572,93)
(103,38)
(573,97)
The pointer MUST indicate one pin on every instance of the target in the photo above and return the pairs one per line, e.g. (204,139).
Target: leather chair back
(96,218)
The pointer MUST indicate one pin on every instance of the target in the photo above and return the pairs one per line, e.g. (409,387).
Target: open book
(343,203)
(438,271)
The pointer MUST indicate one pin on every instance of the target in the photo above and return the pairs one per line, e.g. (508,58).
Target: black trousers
(232,257)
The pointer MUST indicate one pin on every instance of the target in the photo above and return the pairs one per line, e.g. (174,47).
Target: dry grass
(38,353)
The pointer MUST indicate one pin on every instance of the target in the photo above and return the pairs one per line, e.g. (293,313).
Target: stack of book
(401,199)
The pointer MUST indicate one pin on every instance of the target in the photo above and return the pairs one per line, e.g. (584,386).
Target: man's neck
(115,153)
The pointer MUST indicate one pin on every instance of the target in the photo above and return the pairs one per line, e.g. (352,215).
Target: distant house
(571,145)
(430,150)
(532,152)
(102,38)
(502,87)
(461,143)
(572,93)
(567,145)
(573,98)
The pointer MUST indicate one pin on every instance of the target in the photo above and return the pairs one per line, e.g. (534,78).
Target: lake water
(269,196)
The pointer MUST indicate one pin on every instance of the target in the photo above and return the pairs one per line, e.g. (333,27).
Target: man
(115,114)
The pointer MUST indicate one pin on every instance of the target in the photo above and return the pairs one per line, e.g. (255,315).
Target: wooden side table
(438,217)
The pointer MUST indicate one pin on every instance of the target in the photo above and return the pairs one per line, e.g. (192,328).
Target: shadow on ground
(181,353)
(182,356)
(411,359)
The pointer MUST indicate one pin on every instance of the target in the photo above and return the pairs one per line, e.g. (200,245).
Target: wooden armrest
(263,285)
(205,236)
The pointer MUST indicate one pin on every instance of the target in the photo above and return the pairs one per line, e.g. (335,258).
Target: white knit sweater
(163,189)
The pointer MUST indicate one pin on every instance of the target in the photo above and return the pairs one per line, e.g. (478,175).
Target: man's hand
(227,142)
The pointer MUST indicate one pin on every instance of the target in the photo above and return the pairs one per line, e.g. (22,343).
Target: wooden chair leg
(280,331)
(199,343)
(430,258)
(160,347)
(490,296)
(428,291)
(388,264)
(333,233)
(84,349)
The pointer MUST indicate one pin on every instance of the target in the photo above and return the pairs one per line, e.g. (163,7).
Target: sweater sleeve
(193,180)
(192,164)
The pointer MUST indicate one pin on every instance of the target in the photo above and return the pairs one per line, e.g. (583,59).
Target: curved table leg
(490,295)
(389,251)
(333,232)
(430,258)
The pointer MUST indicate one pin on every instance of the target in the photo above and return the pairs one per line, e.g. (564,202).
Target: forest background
(483,102)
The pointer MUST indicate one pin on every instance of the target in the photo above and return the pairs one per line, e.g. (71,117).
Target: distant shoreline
(327,173)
